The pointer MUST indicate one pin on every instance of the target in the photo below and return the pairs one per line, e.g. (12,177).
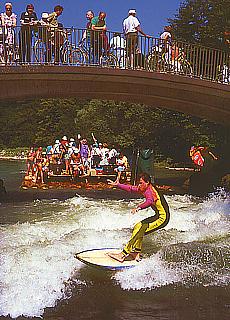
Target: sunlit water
(39,239)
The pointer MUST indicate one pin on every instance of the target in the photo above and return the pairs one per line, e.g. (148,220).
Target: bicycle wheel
(112,61)
(185,68)
(64,55)
(2,54)
(152,62)
(77,57)
(169,67)
(9,56)
(39,51)
(109,60)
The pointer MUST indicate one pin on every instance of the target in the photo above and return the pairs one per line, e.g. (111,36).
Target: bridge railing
(39,45)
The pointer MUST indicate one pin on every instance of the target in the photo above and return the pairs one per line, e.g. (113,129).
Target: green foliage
(127,126)
(203,22)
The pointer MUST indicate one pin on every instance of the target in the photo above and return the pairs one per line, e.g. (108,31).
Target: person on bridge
(56,32)
(28,22)
(166,42)
(131,26)
(8,20)
(117,44)
(88,33)
(153,223)
(99,37)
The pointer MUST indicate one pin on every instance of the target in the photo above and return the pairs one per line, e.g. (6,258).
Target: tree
(204,22)
(170,134)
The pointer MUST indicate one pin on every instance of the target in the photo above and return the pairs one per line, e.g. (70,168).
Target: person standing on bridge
(56,32)
(28,21)
(166,42)
(87,34)
(131,26)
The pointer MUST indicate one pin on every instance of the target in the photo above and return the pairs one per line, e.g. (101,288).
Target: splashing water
(37,256)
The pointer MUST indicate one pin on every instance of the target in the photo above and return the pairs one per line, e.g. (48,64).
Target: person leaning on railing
(99,37)
(56,32)
(28,22)
(44,35)
(131,26)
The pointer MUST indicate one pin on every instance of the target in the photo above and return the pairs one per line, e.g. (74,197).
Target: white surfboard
(99,258)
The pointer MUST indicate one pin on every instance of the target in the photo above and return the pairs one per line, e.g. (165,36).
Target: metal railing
(39,45)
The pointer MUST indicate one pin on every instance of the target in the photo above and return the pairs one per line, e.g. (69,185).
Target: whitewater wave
(37,257)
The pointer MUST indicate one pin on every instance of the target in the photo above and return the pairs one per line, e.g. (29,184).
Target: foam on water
(197,254)
(37,257)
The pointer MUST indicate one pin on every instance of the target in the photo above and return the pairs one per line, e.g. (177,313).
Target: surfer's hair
(146,177)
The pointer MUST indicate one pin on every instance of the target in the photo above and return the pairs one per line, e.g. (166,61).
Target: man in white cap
(131,26)
(45,37)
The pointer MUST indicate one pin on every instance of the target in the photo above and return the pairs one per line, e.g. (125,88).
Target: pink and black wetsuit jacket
(153,199)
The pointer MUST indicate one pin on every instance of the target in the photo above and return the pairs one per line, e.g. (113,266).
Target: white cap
(9,4)
(132,11)
(45,15)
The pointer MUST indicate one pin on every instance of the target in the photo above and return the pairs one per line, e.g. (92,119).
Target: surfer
(154,200)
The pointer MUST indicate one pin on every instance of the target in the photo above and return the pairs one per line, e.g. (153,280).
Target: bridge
(184,83)
(196,97)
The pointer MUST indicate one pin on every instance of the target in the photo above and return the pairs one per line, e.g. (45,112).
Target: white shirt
(117,42)
(130,24)
(113,153)
(8,20)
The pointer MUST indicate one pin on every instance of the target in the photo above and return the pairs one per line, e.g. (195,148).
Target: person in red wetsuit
(200,156)
(161,218)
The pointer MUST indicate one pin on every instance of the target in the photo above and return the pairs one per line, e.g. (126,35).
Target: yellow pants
(158,221)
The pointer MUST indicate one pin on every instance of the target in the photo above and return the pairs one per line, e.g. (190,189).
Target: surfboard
(99,258)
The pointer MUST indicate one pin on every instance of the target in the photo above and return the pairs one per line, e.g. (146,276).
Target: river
(184,273)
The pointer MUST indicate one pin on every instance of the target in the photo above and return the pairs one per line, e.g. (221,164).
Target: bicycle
(173,61)
(45,48)
(223,74)
(181,64)
(72,54)
(79,55)
(108,59)
(42,44)
(84,56)
(158,61)
(9,51)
